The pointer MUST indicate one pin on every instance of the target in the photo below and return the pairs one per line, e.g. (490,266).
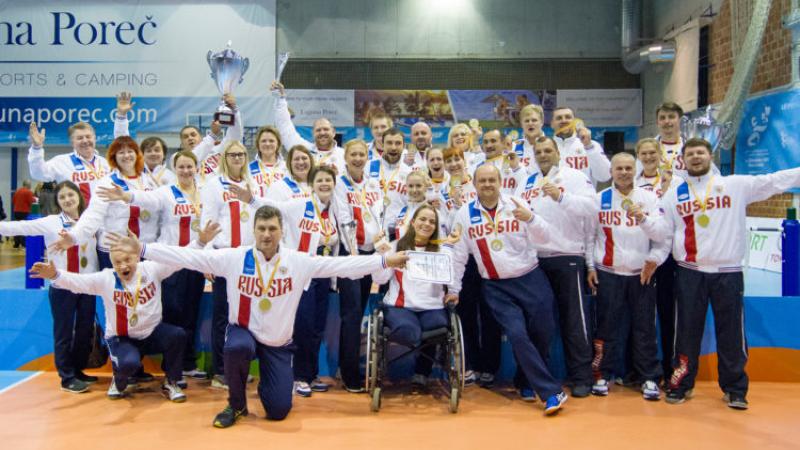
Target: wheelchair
(449,339)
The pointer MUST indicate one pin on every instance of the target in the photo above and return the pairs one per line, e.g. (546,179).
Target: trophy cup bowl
(227,71)
(706,127)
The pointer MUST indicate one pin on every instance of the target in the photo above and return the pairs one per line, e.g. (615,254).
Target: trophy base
(225,118)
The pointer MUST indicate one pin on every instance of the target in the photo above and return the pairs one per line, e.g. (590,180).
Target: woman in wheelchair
(413,307)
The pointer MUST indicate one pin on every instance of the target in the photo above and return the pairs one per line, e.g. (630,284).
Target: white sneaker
(470,377)
(218,382)
(173,392)
(600,387)
(302,388)
(486,380)
(650,391)
(113,392)
(250,378)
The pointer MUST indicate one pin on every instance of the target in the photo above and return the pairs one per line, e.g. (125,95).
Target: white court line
(28,378)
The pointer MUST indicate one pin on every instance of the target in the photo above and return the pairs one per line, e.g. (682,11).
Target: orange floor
(36,414)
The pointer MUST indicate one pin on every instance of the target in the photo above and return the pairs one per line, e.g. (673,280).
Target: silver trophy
(706,127)
(227,70)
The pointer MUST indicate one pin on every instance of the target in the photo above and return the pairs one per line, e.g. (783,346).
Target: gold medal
(326,251)
(133,320)
(367,217)
(386,202)
(703,220)
(497,245)
(627,204)
(144,215)
(264,304)
(196,226)
(244,215)
(84,262)
(474,123)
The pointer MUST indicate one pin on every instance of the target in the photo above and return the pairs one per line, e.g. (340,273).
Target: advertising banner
(65,61)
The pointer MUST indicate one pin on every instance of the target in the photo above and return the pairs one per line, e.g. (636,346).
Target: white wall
(449,28)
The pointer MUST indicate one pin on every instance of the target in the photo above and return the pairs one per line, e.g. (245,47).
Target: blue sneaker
(554,403)
(527,395)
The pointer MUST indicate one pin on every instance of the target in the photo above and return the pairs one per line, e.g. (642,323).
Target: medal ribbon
(326,234)
(136,294)
(708,192)
(271,276)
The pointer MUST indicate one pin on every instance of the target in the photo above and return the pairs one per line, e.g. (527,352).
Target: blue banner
(768,139)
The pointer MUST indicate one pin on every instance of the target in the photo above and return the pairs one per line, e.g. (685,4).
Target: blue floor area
(10,377)
(757,282)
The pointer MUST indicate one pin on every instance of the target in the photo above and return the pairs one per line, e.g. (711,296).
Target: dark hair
(151,141)
(543,139)
(393,132)
(696,142)
(323,169)
(407,242)
(499,131)
(273,131)
(669,107)
(186,127)
(266,213)
(73,187)
(290,155)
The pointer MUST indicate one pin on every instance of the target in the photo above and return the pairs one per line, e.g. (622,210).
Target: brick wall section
(774,70)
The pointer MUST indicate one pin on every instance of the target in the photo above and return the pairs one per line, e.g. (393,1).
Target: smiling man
(264,285)
(324,148)
(707,215)
(84,166)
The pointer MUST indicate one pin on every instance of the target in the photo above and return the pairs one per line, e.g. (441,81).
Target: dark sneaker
(196,374)
(75,386)
(675,397)
(86,378)
(144,377)
(554,403)
(319,386)
(581,391)
(355,390)
(486,380)
(736,401)
(228,417)
(527,395)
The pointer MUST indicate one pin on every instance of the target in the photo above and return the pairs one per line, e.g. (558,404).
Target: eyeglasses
(236,155)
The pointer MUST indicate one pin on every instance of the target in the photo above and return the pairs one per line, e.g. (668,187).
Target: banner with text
(604,107)
(767,139)
(65,61)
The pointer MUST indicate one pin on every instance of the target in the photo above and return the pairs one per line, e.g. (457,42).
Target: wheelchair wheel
(375,405)
(455,396)
(456,354)
(374,352)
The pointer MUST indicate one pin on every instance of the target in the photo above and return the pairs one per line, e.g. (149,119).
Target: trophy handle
(245,66)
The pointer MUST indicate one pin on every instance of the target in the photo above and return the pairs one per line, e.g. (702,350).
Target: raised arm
(40,169)
(124,106)
(762,187)
(283,120)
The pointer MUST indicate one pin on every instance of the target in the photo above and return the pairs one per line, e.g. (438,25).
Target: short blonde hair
(353,143)
(530,108)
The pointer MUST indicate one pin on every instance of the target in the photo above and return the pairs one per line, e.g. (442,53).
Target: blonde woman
(235,218)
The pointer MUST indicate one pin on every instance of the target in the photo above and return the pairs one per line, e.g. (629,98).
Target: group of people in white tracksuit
(537,253)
